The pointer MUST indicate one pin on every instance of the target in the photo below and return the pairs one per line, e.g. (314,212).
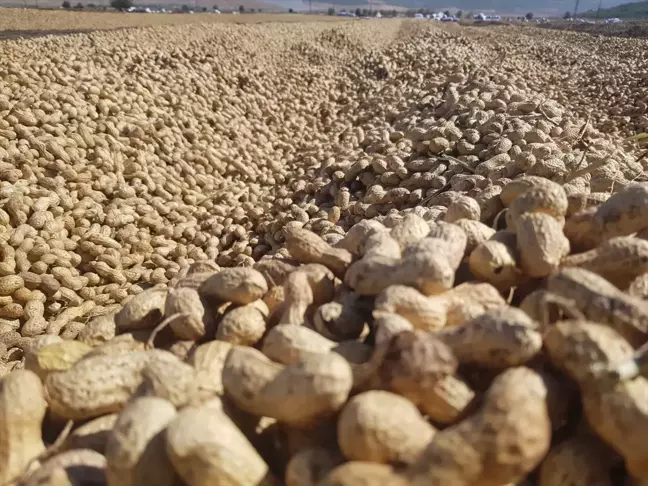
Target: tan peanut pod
(410,230)
(309,466)
(144,311)
(463,207)
(307,247)
(10,284)
(576,346)
(274,300)
(298,296)
(429,272)
(546,308)
(244,326)
(580,200)
(444,249)
(68,315)
(23,295)
(445,401)
(476,233)
(639,287)
(98,385)
(379,426)
(71,330)
(170,379)
(263,388)
(357,473)
(517,187)
(426,313)
(548,198)
(581,230)
(275,270)
(600,301)
(55,357)
(321,281)
(415,360)
(208,359)
(498,338)
(497,262)
(186,313)
(541,244)
(448,232)
(122,344)
(624,213)
(192,280)
(76,466)
(578,461)
(421,367)
(618,260)
(288,343)
(11,311)
(98,331)
(355,238)
(618,415)
(34,326)
(207,448)
(92,435)
(237,285)
(136,448)
(468,300)
(388,325)
(380,244)
(22,409)
(504,441)
(203,266)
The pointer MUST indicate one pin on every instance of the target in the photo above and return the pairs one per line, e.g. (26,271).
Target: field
(633,29)
(270,249)
(16,22)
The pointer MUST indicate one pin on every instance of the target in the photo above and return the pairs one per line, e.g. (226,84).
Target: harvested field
(635,29)
(387,252)
(17,22)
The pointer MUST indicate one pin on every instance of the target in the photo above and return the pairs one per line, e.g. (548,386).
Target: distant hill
(634,10)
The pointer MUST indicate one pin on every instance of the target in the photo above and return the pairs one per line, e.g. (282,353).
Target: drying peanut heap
(374,253)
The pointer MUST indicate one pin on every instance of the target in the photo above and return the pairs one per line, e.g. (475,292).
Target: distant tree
(358,12)
(79,6)
(290,10)
(241,9)
(567,15)
(365,12)
(529,16)
(394,13)
(66,4)
(331,11)
(92,5)
(121,4)
(185,8)
(459,14)
(447,13)
(251,10)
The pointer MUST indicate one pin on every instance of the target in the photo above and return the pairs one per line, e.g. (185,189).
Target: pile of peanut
(362,254)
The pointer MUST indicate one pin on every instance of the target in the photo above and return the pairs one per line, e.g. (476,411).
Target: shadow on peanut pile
(369,254)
